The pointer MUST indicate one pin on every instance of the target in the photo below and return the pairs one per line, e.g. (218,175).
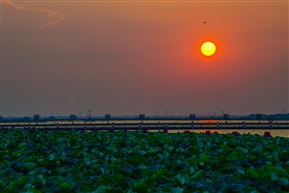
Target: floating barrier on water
(235,133)
(267,134)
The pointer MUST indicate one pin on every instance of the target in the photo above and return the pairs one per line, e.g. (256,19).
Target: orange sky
(144,57)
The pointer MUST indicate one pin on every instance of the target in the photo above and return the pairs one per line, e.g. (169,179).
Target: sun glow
(208,48)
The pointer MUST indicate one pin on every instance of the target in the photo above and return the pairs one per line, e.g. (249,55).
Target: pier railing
(156,125)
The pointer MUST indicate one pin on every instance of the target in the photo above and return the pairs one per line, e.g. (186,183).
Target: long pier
(150,125)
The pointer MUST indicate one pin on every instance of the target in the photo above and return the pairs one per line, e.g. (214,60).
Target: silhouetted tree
(36,117)
(259,116)
(192,116)
(107,116)
(226,116)
(72,117)
(270,117)
(141,117)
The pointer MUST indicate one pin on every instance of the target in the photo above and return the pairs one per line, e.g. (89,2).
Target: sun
(208,48)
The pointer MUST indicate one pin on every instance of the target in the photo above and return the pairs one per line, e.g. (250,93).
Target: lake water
(274,133)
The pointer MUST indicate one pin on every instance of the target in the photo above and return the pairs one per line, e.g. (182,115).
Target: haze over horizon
(127,58)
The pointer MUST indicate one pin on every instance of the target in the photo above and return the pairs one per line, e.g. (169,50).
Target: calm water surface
(274,133)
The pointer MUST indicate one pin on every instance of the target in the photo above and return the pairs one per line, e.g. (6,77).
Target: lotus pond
(100,162)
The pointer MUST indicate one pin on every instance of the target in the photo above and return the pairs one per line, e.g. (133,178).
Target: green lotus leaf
(283,181)
(4,163)
(153,150)
(29,166)
(225,148)
(140,183)
(191,169)
(180,178)
(265,176)
(177,190)
(32,190)
(278,170)
(119,176)
(251,174)
(194,149)
(64,185)
(2,183)
(160,156)
(51,157)
(273,157)
(102,189)
(61,161)
(274,176)
(95,166)
(17,154)
(142,167)
(40,179)
(204,157)
(242,150)
(169,148)
(86,161)
(22,180)
(40,161)
(198,175)
(11,185)
(234,156)
(257,150)
(142,152)
(193,161)
(252,158)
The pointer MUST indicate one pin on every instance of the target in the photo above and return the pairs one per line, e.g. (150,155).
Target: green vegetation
(99,162)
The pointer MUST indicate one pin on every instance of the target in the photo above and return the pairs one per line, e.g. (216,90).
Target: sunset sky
(132,57)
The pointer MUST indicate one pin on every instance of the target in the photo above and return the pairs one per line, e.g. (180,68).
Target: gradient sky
(126,58)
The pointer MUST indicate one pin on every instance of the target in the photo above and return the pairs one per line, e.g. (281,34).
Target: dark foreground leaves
(99,162)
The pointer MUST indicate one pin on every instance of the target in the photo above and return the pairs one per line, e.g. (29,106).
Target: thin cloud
(55,16)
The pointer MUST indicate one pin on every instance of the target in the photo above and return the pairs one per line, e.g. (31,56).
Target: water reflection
(273,133)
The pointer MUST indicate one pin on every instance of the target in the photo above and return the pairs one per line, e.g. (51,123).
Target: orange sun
(208,48)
